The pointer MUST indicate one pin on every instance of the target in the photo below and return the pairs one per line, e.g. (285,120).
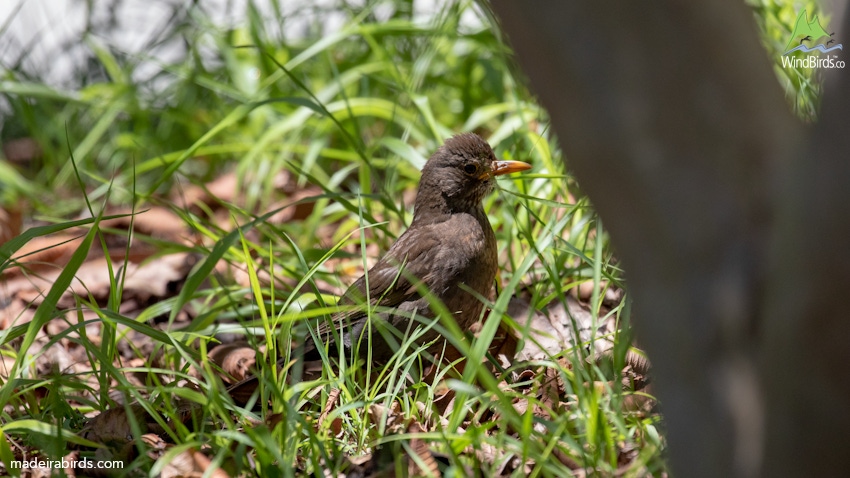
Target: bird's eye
(470,168)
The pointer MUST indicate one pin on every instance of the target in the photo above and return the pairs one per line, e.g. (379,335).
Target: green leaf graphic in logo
(806,31)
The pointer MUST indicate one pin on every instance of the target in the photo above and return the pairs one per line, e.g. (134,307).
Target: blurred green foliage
(776,19)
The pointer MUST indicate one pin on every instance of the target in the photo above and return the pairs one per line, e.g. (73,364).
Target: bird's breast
(469,251)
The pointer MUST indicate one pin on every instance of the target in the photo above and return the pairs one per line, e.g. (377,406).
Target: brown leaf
(423,451)
(191,464)
(273,419)
(155,444)
(336,425)
(392,419)
(551,390)
(236,359)
(154,221)
(14,311)
(144,285)
(565,459)
(444,402)
(71,458)
(296,211)
(10,223)
(551,331)
(112,427)
(46,253)
(223,188)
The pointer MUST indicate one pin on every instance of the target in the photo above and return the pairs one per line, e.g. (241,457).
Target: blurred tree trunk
(730,215)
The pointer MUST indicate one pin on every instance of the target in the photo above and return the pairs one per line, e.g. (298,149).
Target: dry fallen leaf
(191,464)
(235,359)
(426,465)
(10,223)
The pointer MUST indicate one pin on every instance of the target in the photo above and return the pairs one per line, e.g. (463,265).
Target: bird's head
(460,173)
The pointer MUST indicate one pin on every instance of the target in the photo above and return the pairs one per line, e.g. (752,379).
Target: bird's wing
(416,254)
(392,280)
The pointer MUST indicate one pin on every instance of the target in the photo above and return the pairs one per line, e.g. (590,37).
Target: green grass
(352,115)
(775,19)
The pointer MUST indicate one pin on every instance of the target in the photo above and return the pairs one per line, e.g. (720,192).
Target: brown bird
(448,250)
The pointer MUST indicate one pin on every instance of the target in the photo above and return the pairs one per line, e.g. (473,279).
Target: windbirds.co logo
(807,37)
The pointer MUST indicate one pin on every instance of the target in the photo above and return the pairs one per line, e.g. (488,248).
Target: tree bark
(730,216)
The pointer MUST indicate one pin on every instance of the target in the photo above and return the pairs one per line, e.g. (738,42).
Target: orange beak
(506,167)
